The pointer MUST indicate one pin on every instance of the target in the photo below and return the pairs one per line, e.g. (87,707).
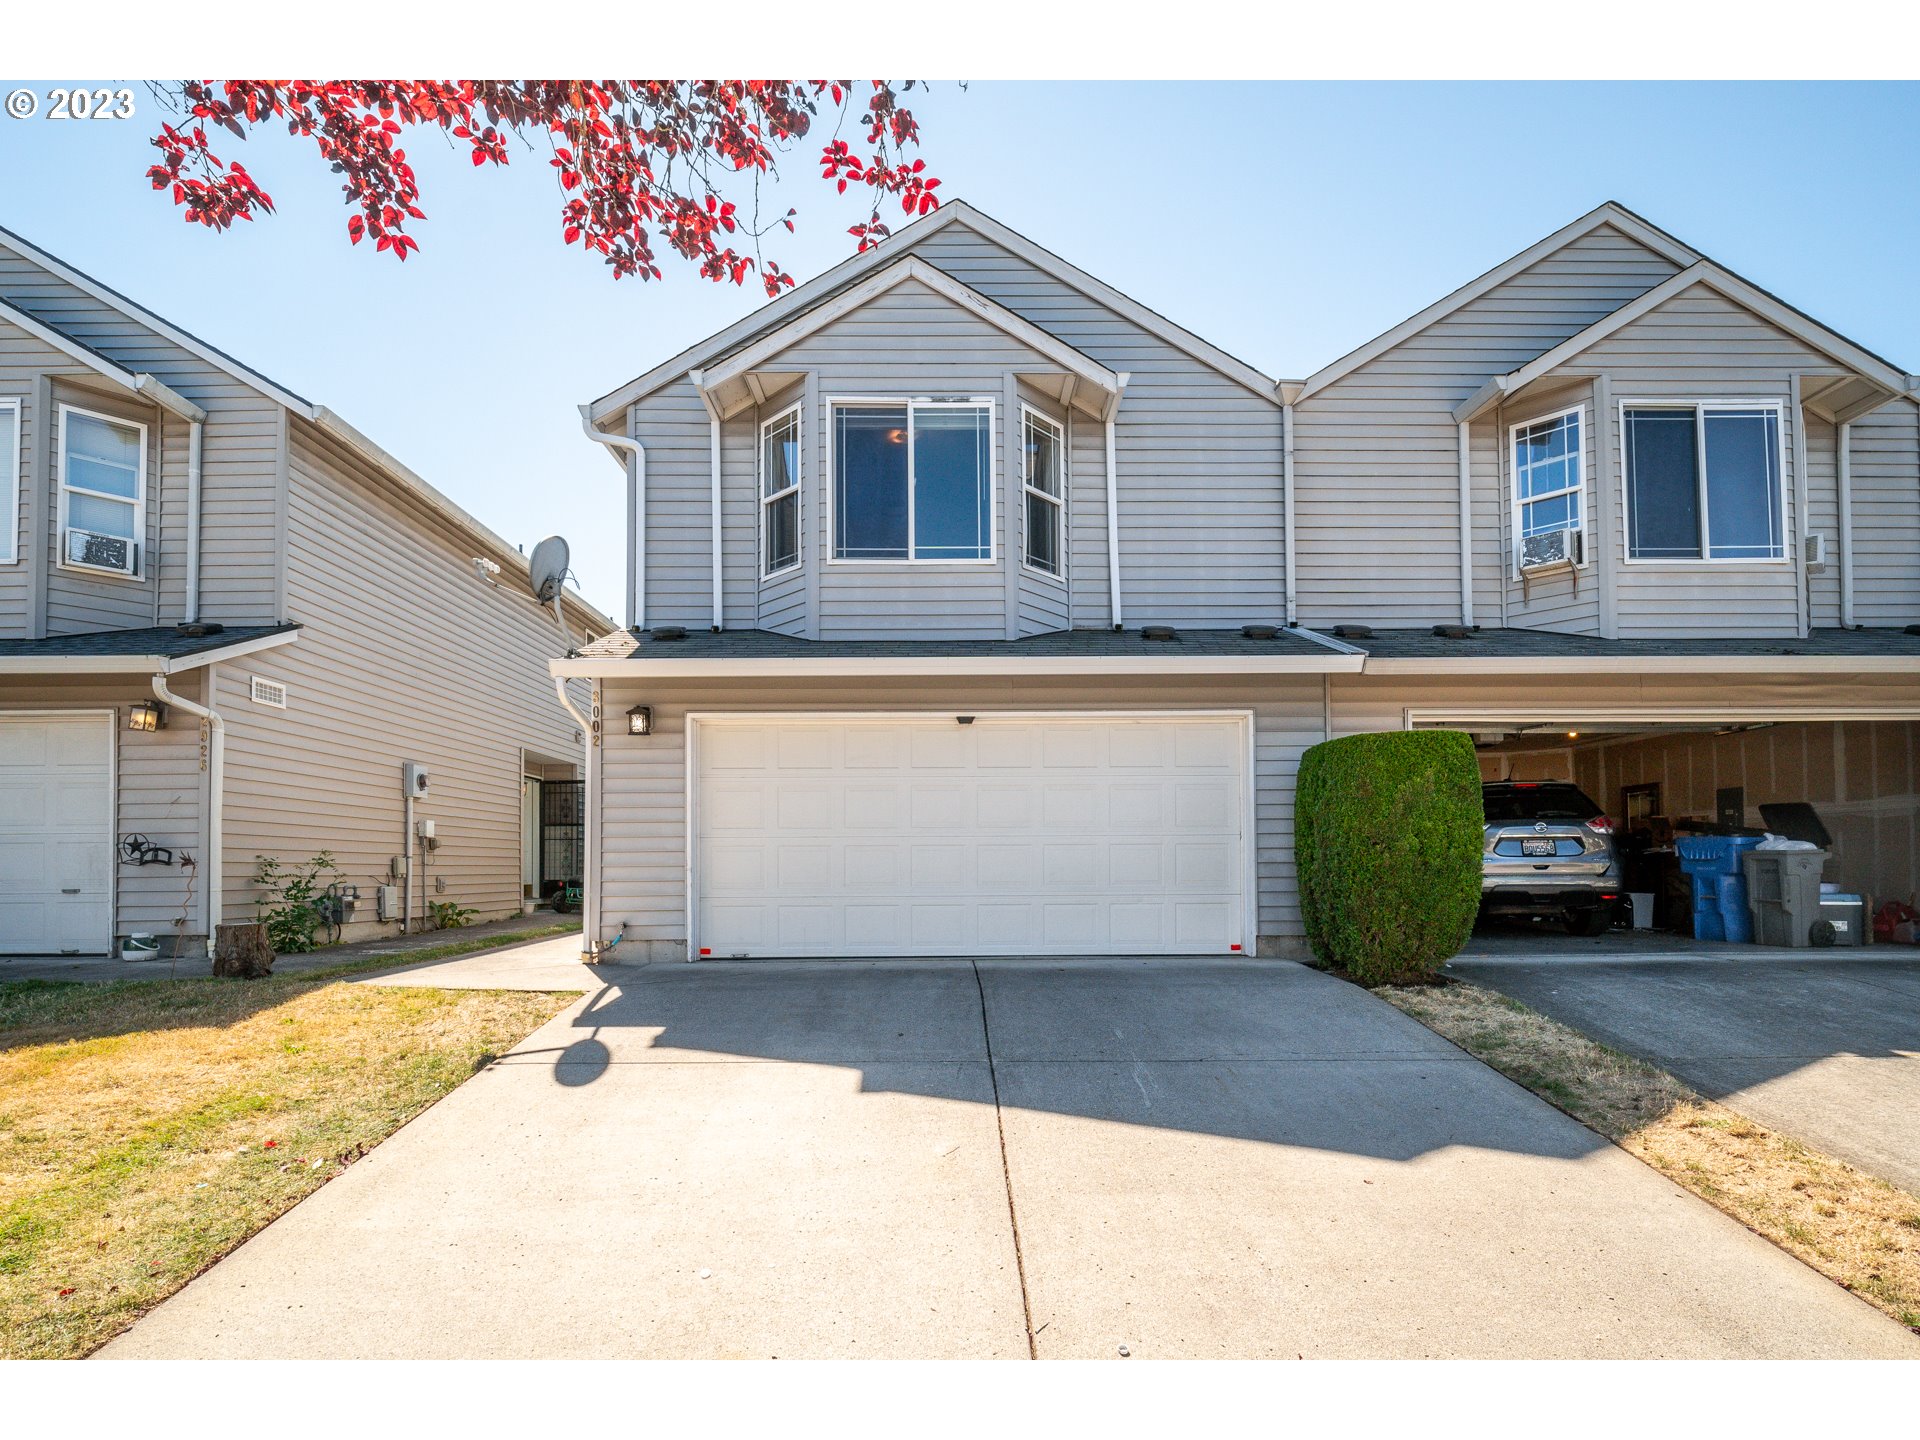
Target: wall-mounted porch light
(640,720)
(147,715)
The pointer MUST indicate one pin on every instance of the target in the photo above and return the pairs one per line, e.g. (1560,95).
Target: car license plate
(1546,846)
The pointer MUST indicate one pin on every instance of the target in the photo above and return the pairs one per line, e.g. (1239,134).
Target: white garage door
(1007,836)
(56,834)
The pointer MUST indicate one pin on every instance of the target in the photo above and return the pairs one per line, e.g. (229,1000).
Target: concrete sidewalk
(1238,1158)
(1820,1045)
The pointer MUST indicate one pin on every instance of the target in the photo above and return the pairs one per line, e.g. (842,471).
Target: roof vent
(1260,632)
(195,629)
(1157,632)
(669,632)
(1353,632)
(1452,632)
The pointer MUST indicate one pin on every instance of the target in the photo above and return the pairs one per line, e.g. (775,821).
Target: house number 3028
(100,104)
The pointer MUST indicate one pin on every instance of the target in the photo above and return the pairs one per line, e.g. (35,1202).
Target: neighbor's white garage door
(1045,836)
(56,834)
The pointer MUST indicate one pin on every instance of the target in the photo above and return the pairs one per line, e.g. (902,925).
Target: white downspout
(1118,615)
(1843,443)
(1286,508)
(636,468)
(590,851)
(1466,522)
(713,445)
(216,791)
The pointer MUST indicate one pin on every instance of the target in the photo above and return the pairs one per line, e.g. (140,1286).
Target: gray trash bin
(1783,894)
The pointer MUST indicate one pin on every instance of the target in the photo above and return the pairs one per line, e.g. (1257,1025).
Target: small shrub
(1388,834)
(287,907)
(448,915)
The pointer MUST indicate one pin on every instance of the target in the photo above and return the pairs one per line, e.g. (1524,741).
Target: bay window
(780,493)
(1703,481)
(103,472)
(1043,480)
(913,480)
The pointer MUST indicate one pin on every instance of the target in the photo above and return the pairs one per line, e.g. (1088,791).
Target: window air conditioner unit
(101,552)
(1550,550)
(1816,552)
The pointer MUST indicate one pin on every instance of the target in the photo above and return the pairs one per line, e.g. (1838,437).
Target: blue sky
(1287,223)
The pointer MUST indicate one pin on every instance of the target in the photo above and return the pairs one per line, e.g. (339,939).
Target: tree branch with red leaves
(639,163)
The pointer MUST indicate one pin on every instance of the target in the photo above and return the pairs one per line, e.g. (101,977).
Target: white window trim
(139,575)
(1059,501)
(1700,407)
(913,402)
(10,487)
(1578,488)
(798,489)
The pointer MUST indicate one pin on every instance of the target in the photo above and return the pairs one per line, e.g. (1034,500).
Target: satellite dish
(547,569)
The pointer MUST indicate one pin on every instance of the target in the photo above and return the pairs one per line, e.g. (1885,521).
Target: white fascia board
(841,667)
(1648,665)
(1724,282)
(1608,214)
(140,664)
(369,450)
(915,269)
(958,211)
(251,378)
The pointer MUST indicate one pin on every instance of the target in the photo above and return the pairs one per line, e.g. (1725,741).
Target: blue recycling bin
(1713,862)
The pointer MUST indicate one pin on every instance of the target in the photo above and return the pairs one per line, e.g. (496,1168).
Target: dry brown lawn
(147,1128)
(1851,1227)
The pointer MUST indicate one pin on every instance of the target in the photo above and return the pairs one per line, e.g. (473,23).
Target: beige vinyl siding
(1199,454)
(1376,453)
(1886,516)
(1823,518)
(406,655)
(1701,346)
(161,794)
(644,786)
(239,554)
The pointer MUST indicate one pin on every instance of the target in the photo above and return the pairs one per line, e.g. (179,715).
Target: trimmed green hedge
(1388,832)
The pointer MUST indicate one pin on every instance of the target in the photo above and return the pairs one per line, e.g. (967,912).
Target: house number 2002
(90,104)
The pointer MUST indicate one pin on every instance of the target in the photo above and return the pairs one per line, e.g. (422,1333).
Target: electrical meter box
(413,779)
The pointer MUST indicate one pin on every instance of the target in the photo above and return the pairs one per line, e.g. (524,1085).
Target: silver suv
(1549,854)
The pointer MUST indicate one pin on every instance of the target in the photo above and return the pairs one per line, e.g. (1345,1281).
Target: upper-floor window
(1043,480)
(9,481)
(913,480)
(103,491)
(1549,488)
(1703,481)
(780,493)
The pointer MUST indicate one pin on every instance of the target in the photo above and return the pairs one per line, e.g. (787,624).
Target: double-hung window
(913,480)
(1703,481)
(780,493)
(1549,487)
(1043,467)
(103,491)
(9,481)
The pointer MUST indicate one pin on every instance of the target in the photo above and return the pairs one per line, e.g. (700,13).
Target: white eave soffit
(751,375)
(1870,383)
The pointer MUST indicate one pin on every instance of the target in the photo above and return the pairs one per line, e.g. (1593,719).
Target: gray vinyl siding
(80,601)
(1701,346)
(678,580)
(1886,516)
(160,793)
(783,597)
(1088,579)
(1375,453)
(643,789)
(1199,455)
(1823,518)
(239,555)
(25,366)
(406,655)
(1563,600)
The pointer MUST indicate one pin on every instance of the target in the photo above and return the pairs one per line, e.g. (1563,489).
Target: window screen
(1663,484)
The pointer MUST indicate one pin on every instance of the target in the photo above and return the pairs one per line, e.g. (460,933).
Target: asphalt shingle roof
(162,640)
(765,644)
(1519,644)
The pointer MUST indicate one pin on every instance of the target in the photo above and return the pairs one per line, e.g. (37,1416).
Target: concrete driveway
(934,1158)
(1820,1045)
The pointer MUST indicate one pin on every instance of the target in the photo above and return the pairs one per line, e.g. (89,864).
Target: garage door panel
(56,862)
(23,802)
(928,837)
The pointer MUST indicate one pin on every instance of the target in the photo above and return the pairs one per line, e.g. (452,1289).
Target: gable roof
(849,271)
(770,344)
(392,470)
(1611,213)
(1810,332)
